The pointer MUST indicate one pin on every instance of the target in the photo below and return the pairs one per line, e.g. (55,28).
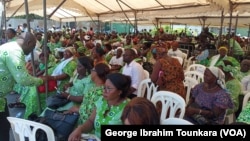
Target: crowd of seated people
(100,74)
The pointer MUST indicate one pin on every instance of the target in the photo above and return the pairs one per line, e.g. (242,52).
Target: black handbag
(56,101)
(62,124)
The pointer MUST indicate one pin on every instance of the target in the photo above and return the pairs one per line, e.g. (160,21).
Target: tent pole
(157,23)
(3,23)
(125,13)
(235,30)
(53,12)
(221,24)
(32,52)
(15,12)
(135,31)
(4,11)
(248,37)
(230,24)
(45,43)
(98,20)
(89,15)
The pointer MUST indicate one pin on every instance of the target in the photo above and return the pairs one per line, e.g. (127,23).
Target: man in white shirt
(174,51)
(134,70)
(116,61)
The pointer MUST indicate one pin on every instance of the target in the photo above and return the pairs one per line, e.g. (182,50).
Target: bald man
(13,70)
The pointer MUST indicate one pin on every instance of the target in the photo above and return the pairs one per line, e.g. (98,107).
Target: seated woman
(109,108)
(140,111)
(167,72)
(216,59)
(233,85)
(80,85)
(98,76)
(61,72)
(209,100)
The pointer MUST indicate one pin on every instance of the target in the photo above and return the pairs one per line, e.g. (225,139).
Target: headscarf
(72,50)
(228,68)
(223,48)
(161,50)
(81,49)
(79,43)
(218,73)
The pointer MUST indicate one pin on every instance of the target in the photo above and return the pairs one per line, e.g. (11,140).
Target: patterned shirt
(13,70)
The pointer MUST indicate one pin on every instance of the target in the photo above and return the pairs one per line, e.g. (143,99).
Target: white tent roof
(175,11)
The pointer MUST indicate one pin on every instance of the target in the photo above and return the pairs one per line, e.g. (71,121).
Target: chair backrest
(176,121)
(146,74)
(189,83)
(189,62)
(146,87)
(23,128)
(179,59)
(173,105)
(245,99)
(196,67)
(184,56)
(195,74)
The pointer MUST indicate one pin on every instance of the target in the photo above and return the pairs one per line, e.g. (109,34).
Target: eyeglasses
(107,89)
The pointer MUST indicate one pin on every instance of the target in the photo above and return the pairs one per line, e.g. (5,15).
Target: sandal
(17,105)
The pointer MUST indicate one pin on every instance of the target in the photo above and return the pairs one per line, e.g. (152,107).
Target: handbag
(56,101)
(201,120)
(52,84)
(62,124)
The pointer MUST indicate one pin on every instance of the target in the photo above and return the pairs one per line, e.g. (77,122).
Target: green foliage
(31,17)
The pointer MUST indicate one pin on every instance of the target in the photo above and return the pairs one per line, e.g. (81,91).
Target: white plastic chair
(146,87)
(189,83)
(196,75)
(146,73)
(179,59)
(22,128)
(176,121)
(245,99)
(184,57)
(230,118)
(189,62)
(196,67)
(173,105)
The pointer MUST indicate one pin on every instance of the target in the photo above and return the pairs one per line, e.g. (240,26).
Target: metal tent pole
(221,25)
(32,53)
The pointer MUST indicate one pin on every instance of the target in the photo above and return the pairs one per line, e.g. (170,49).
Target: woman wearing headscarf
(209,100)
(61,72)
(167,72)
(233,85)
(216,59)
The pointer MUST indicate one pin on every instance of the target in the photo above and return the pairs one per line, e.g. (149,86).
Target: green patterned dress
(88,103)
(245,114)
(29,95)
(234,87)
(112,116)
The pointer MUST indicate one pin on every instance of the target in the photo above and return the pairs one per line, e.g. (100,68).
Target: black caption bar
(217,132)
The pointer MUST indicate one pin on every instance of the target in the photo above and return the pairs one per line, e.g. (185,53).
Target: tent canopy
(193,12)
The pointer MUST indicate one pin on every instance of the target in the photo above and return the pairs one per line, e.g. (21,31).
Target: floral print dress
(88,103)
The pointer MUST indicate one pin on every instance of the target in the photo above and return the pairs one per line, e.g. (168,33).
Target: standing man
(13,70)
(134,70)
